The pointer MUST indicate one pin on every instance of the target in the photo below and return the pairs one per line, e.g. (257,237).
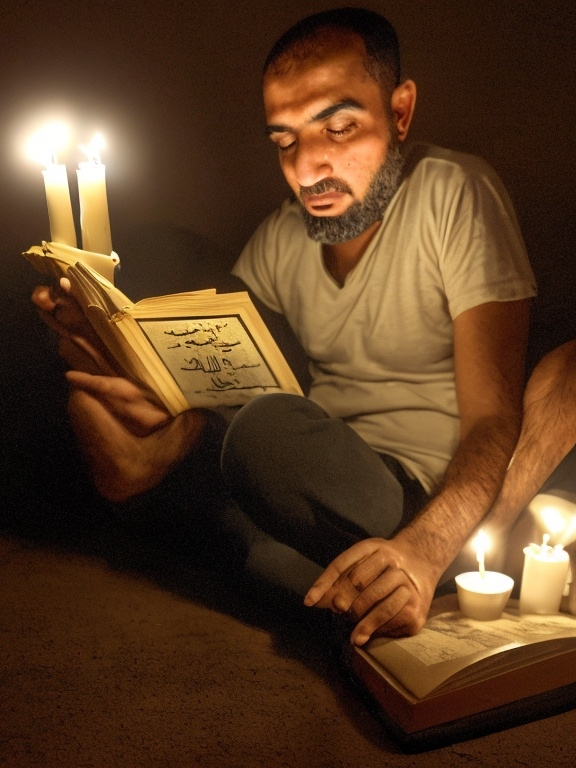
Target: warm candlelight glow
(92,150)
(553,520)
(556,516)
(481,543)
(44,146)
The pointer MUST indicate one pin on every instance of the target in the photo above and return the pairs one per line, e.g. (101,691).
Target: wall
(175,88)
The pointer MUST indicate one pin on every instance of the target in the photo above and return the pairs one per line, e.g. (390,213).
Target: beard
(330,230)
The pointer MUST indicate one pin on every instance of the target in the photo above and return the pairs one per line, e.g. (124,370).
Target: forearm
(471,484)
(548,434)
(123,464)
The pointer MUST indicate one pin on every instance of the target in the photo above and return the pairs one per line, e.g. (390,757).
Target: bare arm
(388,585)
(548,434)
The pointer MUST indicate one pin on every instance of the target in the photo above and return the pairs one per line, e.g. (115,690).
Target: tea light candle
(544,577)
(94,219)
(483,594)
(483,597)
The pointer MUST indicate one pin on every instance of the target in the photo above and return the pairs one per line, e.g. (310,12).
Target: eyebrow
(322,115)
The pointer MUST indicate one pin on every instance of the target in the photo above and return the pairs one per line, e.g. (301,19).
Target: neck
(340,258)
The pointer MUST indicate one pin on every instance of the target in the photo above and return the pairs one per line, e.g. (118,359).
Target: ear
(403,104)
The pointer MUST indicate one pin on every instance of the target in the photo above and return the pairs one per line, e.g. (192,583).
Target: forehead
(333,71)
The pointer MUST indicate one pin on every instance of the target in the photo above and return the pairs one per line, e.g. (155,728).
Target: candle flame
(553,520)
(555,515)
(44,145)
(481,543)
(92,150)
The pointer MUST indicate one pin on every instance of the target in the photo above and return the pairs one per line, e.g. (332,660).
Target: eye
(284,141)
(284,147)
(339,133)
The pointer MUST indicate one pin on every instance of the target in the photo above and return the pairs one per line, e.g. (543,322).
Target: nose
(310,161)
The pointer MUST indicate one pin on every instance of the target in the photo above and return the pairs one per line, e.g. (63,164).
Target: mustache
(326,185)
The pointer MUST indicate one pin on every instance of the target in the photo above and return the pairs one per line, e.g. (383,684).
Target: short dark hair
(380,40)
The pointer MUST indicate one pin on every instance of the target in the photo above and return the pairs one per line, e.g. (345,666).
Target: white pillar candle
(94,218)
(543,578)
(62,228)
(44,146)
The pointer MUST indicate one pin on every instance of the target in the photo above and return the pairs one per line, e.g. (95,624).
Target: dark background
(175,88)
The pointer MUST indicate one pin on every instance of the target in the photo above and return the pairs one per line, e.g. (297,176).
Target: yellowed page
(452,649)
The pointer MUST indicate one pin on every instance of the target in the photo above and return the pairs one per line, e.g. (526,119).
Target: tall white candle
(62,228)
(43,146)
(543,578)
(94,218)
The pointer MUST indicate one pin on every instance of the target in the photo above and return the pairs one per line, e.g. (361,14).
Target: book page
(453,650)
(213,359)
(66,256)
(453,636)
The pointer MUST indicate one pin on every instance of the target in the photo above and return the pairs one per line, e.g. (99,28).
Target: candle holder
(483,596)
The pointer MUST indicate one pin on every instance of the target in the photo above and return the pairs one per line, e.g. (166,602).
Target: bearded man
(403,273)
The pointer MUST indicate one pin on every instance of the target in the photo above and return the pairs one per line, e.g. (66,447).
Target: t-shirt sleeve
(256,263)
(483,257)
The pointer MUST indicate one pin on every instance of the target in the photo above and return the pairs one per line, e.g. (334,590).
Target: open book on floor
(198,349)
(459,678)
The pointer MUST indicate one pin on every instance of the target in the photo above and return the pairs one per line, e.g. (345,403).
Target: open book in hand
(459,677)
(197,349)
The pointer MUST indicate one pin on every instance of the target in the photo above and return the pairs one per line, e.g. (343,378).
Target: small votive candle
(483,596)
(544,577)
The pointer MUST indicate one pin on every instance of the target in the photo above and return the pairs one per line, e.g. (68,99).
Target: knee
(262,423)
(265,436)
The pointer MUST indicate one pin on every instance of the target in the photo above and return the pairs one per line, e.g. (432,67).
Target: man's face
(335,139)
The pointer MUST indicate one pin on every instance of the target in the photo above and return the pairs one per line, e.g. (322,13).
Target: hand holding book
(196,349)
(79,346)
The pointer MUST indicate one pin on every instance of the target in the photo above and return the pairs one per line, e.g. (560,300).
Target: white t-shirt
(382,345)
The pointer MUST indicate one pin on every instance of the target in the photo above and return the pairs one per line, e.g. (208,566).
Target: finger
(338,566)
(121,395)
(340,596)
(42,299)
(374,588)
(101,385)
(50,317)
(392,617)
(360,586)
(92,352)
(61,289)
